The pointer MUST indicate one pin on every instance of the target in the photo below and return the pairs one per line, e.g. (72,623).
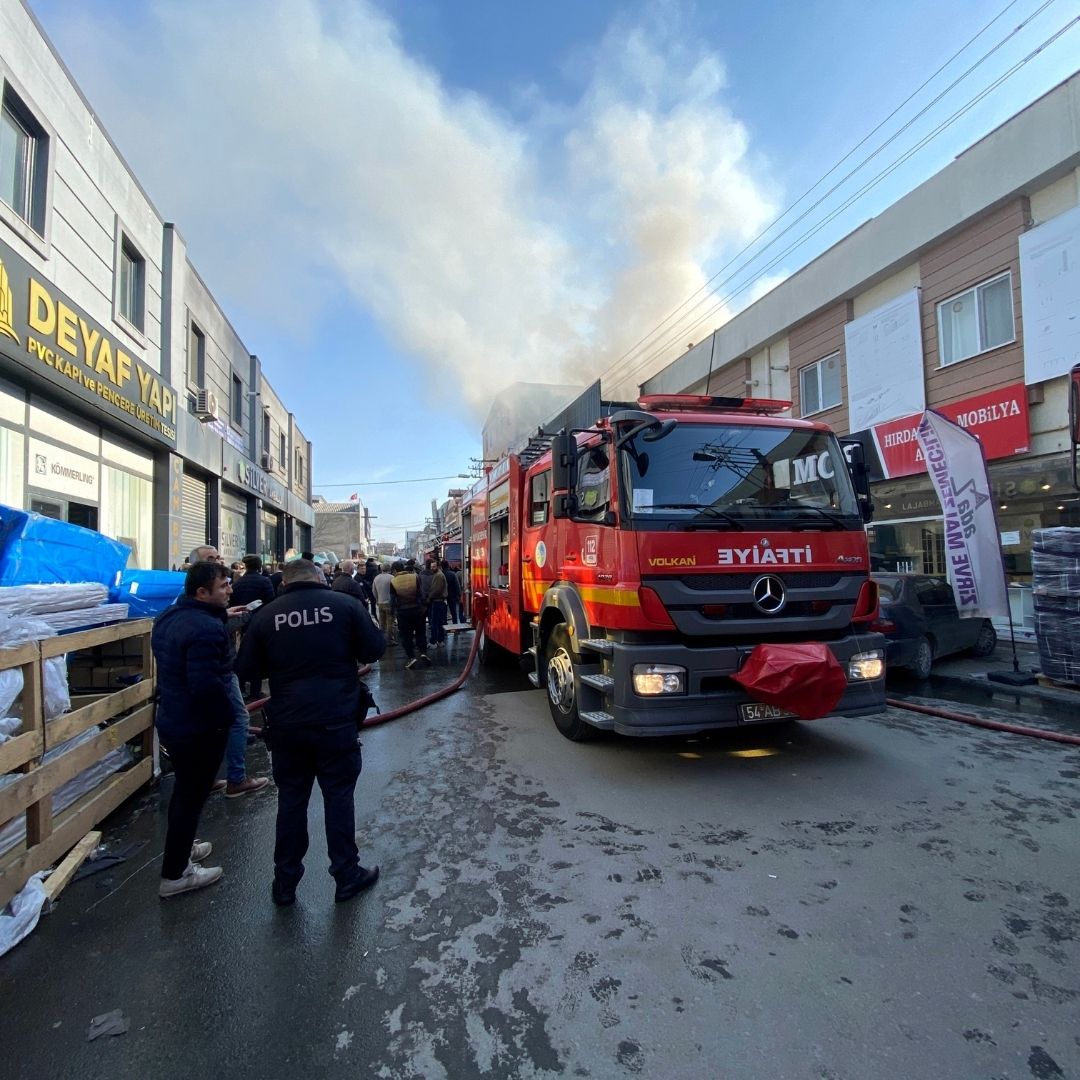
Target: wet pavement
(890,897)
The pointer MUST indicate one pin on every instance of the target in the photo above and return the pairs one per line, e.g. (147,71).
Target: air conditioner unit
(268,462)
(206,405)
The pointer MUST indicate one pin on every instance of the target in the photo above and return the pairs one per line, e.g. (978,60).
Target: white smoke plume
(309,160)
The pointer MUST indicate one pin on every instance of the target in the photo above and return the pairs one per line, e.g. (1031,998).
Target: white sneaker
(200,849)
(194,877)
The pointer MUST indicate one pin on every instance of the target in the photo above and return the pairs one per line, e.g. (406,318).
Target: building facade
(128,404)
(963,296)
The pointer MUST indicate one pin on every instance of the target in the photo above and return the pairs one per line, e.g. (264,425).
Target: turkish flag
(353,497)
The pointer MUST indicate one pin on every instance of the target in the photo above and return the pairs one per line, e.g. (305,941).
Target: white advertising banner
(53,468)
(1050,296)
(972,544)
(885,362)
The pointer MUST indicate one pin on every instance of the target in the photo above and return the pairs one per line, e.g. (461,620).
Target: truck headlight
(866,665)
(653,679)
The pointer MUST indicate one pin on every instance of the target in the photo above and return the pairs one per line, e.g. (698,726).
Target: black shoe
(363,880)
(282,895)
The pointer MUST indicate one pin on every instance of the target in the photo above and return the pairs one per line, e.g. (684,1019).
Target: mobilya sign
(40,329)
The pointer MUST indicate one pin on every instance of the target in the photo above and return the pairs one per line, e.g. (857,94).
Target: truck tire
(559,681)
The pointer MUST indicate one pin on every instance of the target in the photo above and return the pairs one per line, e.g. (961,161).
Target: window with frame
(196,360)
(237,411)
(24,159)
(819,385)
(132,283)
(593,493)
(266,431)
(977,320)
(283,451)
(539,495)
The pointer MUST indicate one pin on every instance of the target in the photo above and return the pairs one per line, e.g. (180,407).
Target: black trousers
(195,763)
(301,755)
(410,623)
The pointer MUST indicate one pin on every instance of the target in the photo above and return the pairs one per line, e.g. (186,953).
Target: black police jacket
(309,641)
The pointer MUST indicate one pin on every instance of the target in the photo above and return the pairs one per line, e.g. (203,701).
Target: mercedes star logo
(769,595)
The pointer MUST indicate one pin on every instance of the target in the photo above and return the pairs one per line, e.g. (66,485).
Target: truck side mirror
(1074,420)
(563,461)
(860,477)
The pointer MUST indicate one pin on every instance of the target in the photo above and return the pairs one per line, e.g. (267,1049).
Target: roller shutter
(195,527)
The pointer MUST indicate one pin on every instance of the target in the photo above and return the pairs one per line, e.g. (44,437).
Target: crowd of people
(304,628)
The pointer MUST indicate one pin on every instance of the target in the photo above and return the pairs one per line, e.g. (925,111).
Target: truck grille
(721,582)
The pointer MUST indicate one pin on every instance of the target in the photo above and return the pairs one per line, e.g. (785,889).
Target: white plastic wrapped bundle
(18,631)
(66,596)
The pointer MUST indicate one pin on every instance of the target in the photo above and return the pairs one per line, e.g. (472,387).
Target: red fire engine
(641,560)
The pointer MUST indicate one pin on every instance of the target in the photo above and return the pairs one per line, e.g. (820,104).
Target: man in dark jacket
(309,641)
(453,591)
(195,710)
(253,584)
(345,581)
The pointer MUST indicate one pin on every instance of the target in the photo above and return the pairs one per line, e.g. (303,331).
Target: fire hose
(479,613)
(993,725)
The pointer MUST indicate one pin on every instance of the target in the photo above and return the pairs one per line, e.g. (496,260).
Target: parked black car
(920,622)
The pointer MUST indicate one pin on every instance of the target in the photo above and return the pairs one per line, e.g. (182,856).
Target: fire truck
(638,562)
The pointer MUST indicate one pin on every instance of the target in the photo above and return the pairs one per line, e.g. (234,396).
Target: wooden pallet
(127,716)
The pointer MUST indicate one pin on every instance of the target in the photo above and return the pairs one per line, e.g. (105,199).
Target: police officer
(309,641)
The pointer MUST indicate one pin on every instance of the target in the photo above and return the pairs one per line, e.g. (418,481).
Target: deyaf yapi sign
(41,330)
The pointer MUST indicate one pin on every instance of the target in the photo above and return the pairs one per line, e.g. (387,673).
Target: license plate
(757,711)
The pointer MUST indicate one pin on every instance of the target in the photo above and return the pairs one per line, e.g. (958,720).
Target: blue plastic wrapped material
(147,592)
(38,550)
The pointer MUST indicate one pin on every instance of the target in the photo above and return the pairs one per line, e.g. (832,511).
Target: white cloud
(296,145)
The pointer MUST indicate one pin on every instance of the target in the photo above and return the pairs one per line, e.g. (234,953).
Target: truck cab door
(539,541)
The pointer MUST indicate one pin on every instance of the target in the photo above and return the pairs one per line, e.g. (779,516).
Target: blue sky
(403,206)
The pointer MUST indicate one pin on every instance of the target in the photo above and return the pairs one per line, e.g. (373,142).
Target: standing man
(384,599)
(453,592)
(194,713)
(409,601)
(309,641)
(345,582)
(437,607)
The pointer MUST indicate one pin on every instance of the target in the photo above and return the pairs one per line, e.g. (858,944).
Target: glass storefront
(907,534)
(270,536)
(232,526)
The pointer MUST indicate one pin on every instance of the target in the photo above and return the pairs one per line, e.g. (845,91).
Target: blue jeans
(236,748)
(455,609)
(437,618)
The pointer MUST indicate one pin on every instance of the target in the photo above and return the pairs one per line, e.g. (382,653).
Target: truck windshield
(724,476)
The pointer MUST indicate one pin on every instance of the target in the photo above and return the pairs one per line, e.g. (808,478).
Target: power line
(712,291)
(384,483)
(658,351)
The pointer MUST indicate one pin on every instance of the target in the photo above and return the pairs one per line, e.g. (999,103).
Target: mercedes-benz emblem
(769,595)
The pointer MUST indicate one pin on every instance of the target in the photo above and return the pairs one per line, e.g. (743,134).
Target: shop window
(977,320)
(24,161)
(132,284)
(196,358)
(237,402)
(819,385)
(127,513)
(539,494)
(594,485)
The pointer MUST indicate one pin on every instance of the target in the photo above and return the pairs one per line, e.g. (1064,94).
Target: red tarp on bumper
(803,679)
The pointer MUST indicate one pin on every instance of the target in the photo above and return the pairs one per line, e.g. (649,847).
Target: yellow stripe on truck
(608,594)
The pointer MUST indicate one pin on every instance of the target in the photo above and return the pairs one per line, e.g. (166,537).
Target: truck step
(599,719)
(603,683)
(599,645)
(531,651)
(534,679)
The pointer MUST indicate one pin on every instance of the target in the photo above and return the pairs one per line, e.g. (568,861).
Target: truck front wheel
(559,671)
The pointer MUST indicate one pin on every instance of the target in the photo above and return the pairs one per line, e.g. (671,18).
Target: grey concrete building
(128,403)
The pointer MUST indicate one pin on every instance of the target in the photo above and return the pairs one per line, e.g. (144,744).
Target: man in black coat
(253,584)
(309,642)
(195,710)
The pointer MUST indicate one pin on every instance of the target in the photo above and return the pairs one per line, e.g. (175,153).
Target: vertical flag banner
(972,548)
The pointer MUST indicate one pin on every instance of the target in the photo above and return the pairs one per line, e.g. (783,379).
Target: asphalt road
(890,897)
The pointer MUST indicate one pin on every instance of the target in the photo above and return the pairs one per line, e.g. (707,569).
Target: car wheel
(986,642)
(923,659)
(559,679)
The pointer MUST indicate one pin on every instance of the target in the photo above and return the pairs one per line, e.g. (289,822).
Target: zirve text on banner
(973,553)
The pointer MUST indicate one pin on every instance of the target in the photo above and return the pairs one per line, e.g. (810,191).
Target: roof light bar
(696,402)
